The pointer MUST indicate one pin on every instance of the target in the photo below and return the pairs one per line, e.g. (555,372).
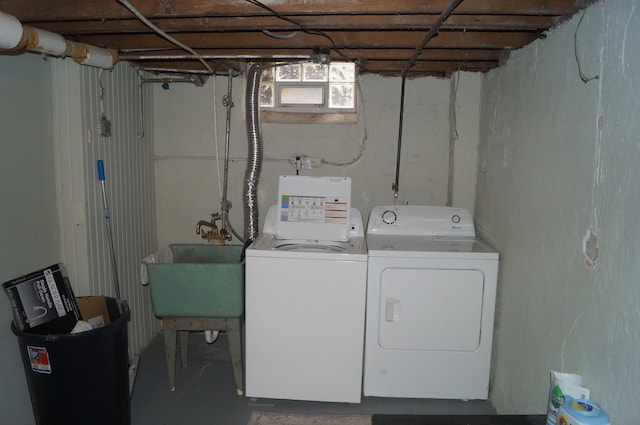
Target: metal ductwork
(254,160)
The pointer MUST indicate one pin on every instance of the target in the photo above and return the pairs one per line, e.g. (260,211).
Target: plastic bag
(163,255)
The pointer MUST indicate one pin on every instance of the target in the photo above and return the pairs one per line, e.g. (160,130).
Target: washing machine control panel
(420,220)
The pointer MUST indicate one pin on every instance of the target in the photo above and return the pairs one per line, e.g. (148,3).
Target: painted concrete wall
(464,127)
(559,160)
(28,216)
(187,183)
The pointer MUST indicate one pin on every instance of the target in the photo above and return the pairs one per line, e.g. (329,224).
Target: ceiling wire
(575,50)
(302,28)
(432,33)
(167,37)
(280,36)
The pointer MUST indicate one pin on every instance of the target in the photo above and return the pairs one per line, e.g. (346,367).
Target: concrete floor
(205,393)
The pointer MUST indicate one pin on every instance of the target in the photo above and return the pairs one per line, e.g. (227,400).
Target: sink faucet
(200,224)
(213,234)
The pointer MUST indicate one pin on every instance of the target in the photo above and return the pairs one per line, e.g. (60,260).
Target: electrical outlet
(314,162)
(297,160)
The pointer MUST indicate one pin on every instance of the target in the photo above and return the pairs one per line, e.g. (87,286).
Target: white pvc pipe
(211,336)
(13,35)
(98,57)
(48,42)
(10,31)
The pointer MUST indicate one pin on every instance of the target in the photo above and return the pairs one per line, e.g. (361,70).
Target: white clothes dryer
(431,290)
(305,292)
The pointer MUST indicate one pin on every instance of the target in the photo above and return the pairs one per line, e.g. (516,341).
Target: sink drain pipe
(211,336)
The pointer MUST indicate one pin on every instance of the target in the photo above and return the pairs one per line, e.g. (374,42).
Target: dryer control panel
(420,220)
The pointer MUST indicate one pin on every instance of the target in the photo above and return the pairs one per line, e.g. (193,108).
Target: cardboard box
(43,301)
(94,310)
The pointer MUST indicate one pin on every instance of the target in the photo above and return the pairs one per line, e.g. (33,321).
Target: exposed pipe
(172,80)
(214,158)
(10,31)
(432,33)
(213,57)
(212,335)
(412,61)
(396,184)
(184,71)
(254,162)
(15,36)
(227,102)
(141,110)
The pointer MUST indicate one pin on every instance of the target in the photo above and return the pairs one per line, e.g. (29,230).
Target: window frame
(286,112)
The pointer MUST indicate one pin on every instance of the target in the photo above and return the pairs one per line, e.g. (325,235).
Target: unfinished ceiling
(392,37)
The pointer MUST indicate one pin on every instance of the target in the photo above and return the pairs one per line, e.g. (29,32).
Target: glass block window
(288,73)
(315,72)
(309,88)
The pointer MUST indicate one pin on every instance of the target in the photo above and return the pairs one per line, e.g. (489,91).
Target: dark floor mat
(458,419)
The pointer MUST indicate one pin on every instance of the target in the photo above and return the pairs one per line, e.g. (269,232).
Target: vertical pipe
(396,184)
(140,134)
(228,103)
(432,33)
(453,135)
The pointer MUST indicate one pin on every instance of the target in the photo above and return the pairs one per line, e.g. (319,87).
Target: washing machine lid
(305,245)
(314,208)
(268,245)
(428,247)
(356,229)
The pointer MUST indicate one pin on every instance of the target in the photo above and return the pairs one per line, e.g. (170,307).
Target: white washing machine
(305,291)
(431,293)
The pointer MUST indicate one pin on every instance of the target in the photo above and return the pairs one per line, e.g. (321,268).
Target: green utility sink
(203,281)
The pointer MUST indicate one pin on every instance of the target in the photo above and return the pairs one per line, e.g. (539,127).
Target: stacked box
(43,301)
(94,310)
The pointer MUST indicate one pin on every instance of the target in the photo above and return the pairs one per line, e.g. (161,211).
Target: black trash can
(80,379)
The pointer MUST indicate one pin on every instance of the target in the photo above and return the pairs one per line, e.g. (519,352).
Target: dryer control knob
(389,217)
(455,218)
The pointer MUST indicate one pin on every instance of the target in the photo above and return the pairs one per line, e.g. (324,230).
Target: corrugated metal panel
(129,186)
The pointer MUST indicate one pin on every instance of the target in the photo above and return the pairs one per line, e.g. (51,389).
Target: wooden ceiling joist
(378,33)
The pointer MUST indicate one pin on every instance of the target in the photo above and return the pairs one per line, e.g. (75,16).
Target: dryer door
(430,309)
